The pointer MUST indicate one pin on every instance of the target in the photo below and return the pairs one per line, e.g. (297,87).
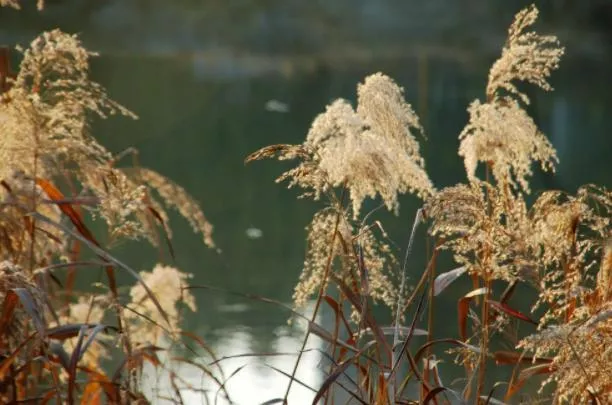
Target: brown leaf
(339,370)
(506,357)
(431,394)
(8,308)
(5,69)
(525,375)
(109,388)
(502,307)
(369,319)
(159,219)
(338,311)
(463,307)
(55,195)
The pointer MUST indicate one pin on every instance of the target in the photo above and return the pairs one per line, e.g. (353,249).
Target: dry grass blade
(28,303)
(177,391)
(137,357)
(59,355)
(8,308)
(106,256)
(297,380)
(403,331)
(206,348)
(417,220)
(422,280)
(64,332)
(502,307)
(254,297)
(261,354)
(320,332)
(90,339)
(110,389)
(432,394)
(454,342)
(274,150)
(525,376)
(352,394)
(506,357)
(463,307)
(54,266)
(327,274)
(338,371)
(369,319)
(404,348)
(507,294)
(339,313)
(207,372)
(222,387)
(91,393)
(47,397)
(55,195)
(34,401)
(72,368)
(5,69)
(443,280)
(273,401)
(159,219)
(489,398)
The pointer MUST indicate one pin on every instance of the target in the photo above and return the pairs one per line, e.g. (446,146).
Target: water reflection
(250,378)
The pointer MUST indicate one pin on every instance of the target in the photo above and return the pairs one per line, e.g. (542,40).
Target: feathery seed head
(167,284)
(371,151)
(500,133)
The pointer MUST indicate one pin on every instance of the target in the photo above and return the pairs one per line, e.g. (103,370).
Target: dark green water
(200,76)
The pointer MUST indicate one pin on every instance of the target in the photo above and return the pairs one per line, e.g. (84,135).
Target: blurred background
(213,80)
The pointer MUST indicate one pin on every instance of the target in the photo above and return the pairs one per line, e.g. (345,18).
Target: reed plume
(557,245)
(54,176)
(371,151)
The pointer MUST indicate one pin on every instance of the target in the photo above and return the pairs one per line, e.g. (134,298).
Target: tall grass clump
(558,246)
(58,344)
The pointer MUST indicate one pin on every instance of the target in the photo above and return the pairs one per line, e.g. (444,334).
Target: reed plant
(556,244)
(59,344)
(56,343)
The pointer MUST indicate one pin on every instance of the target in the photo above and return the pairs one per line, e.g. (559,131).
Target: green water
(201,94)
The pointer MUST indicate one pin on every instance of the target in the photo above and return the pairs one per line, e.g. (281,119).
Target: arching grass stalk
(322,287)
(418,218)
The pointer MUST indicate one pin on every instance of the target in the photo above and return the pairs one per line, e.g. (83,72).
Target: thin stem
(417,220)
(430,315)
(34,201)
(484,341)
(322,287)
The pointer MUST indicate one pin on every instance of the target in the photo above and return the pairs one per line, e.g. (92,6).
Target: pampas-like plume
(377,256)
(44,121)
(167,283)
(500,133)
(371,151)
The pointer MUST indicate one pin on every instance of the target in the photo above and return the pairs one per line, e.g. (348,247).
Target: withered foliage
(559,245)
(55,178)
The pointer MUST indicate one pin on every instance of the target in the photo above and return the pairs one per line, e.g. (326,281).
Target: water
(212,84)
(247,379)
